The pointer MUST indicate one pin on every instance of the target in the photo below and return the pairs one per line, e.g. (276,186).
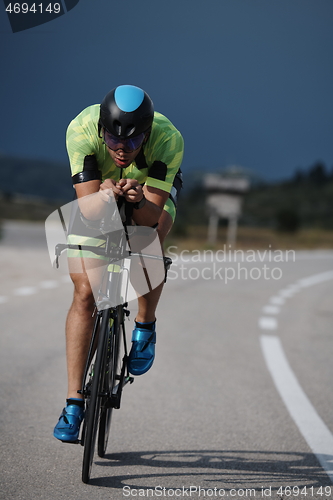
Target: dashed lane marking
(268,323)
(271,309)
(276,300)
(49,284)
(25,291)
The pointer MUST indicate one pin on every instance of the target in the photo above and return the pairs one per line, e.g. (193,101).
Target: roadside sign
(224,199)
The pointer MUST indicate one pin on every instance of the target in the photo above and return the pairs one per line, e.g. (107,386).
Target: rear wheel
(94,386)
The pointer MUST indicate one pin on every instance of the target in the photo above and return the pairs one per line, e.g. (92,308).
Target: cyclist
(120,147)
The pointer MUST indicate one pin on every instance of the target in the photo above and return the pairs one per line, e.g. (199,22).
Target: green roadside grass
(253,238)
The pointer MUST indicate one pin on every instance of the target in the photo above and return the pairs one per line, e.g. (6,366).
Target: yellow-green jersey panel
(156,164)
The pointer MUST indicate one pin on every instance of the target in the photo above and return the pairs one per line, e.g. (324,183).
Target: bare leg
(80,322)
(78,332)
(148,302)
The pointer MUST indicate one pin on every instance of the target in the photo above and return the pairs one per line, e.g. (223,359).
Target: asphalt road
(237,405)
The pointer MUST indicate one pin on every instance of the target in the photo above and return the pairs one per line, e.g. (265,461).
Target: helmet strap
(148,132)
(100,126)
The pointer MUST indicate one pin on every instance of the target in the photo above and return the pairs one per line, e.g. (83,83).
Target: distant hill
(47,180)
(32,189)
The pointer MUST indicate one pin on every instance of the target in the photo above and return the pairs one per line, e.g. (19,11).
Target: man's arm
(150,213)
(86,188)
(92,207)
(133,192)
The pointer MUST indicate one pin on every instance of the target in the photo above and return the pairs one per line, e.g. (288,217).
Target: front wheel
(94,390)
(111,379)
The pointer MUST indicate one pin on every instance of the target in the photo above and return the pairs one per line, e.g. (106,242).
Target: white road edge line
(316,278)
(313,429)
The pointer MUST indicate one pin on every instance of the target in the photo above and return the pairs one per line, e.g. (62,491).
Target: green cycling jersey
(156,164)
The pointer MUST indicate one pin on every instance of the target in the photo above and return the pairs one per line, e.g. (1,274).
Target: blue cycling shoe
(142,354)
(68,427)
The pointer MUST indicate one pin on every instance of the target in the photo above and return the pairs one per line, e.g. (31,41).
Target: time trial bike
(106,371)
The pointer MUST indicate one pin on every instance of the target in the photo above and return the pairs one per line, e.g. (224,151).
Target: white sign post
(224,199)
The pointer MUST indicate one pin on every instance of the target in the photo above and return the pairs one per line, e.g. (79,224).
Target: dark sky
(247,82)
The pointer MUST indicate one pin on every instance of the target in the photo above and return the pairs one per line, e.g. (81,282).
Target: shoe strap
(75,401)
(140,334)
(63,415)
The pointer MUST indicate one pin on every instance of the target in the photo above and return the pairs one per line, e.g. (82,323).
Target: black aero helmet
(126,111)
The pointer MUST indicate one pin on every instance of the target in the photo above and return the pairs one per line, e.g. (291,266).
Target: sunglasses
(128,145)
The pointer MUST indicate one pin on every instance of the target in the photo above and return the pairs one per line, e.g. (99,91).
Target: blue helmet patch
(128,98)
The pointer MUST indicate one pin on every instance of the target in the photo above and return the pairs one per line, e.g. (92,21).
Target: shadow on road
(210,469)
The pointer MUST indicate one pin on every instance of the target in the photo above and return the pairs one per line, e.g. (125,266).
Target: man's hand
(108,188)
(129,188)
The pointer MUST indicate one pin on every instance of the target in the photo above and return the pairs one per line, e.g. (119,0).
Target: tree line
(303,201)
